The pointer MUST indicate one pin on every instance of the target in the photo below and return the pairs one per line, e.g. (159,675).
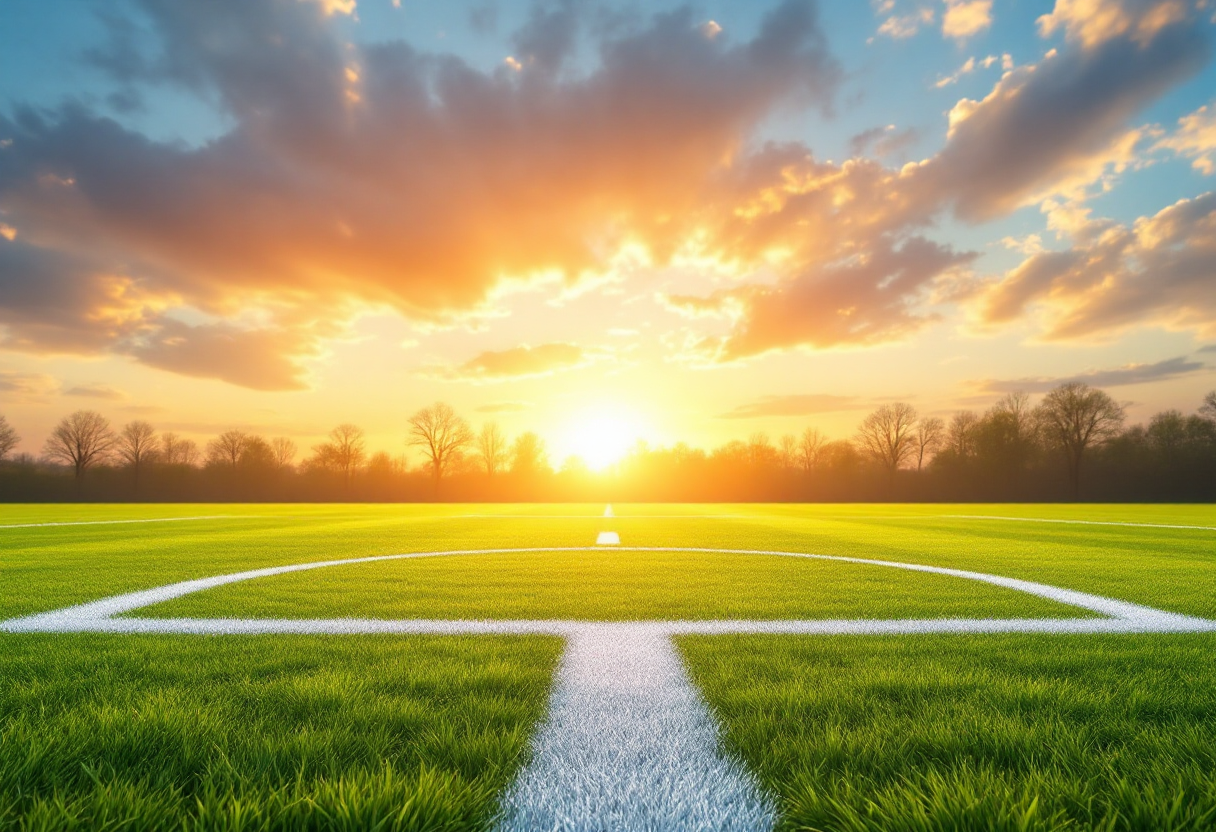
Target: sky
(666,221)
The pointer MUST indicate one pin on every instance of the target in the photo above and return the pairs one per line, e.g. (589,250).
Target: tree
(284,451)
(760,451)
(8,438)
(1208,409)
(492,448)
(441,434)
(886,435)
(1075,417)
(80,440)
(528,456)
(810,448)
(789,451)
(961,437)
(177,451)
(929,436)
(256,454)
(348,449)
(137,446)
(227,448)
(1005,438)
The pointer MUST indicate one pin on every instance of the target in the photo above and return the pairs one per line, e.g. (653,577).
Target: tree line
(1072,444)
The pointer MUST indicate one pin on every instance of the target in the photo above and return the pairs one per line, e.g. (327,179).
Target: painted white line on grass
(629,744)
(608,539)
(141,520)
(1077,522)
(608,511)
(69,619)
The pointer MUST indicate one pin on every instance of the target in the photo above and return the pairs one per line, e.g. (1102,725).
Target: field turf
(915,732)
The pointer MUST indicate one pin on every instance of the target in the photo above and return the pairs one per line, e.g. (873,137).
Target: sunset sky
(690,222)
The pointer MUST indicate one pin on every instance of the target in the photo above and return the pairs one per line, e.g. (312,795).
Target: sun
(602,439)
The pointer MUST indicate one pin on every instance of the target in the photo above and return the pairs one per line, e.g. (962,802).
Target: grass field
(876,732)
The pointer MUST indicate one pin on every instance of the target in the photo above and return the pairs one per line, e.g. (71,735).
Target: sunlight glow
(603,437)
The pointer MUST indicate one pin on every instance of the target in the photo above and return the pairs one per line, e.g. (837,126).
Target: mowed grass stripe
(1010,732)
(156,732)
(609,585)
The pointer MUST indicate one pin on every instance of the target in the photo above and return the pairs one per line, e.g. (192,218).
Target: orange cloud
(518,362)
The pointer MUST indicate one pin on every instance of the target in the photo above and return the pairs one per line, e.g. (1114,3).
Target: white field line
(629,744)
(1077,522)
(141,520)
(88,616)
(608,539)
(601,517)
(608,511)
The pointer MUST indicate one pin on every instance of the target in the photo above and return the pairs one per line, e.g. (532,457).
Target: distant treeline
(1072,444)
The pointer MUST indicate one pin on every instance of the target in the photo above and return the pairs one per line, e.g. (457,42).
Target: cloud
(518,362)
(369,175)
(1058,125)
(96,391)
(870,300)
(1194,139)
(25,386)
(1094,22)
(380,175)
(882,141)
(1005,62)
(260,359)
(1118,377)
(503,407)
(901,27)
(794,405)
(965,18)
(1157,271)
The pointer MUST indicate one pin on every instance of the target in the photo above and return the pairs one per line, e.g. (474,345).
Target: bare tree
(441,434)
(177,451)
(80,440)
(886,435)
(1075,417)
(930,433)
(528,455)
(961,437)
(492,448)
(810,447)
(760,450)
(1208,409)
(350,448)
(137,447)
(284,451)
(227,448)
(8,437)
(789,451)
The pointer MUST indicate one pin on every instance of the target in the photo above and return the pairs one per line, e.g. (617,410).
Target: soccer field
(722,666)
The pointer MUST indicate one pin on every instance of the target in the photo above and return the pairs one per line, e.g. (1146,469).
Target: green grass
(969,732)
(264,733)
(46,568)
(608,584)
(926,732)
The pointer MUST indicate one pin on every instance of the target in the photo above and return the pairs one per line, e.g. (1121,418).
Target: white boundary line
(1077,522)
(95,616)
(140,520)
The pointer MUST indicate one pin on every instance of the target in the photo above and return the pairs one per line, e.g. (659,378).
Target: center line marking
(608,511)
(608,539)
